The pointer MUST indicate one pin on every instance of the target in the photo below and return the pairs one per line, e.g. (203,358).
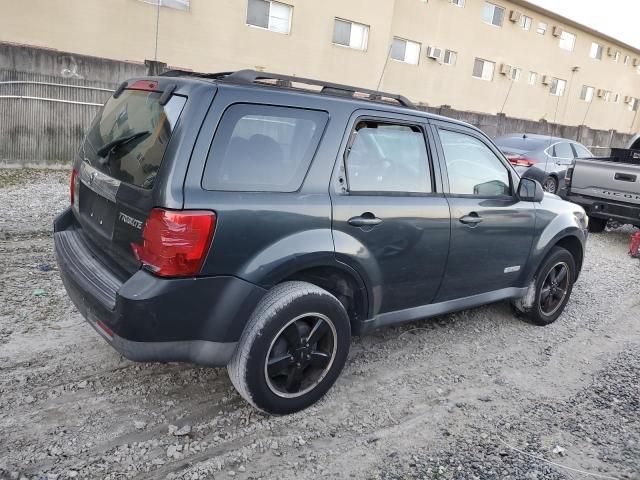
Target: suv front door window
(473,168)
(491,230)
(388,217)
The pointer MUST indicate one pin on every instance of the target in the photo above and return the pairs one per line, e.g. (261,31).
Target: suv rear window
(138,116)
(262,148)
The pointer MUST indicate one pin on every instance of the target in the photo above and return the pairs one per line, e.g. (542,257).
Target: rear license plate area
(97,211)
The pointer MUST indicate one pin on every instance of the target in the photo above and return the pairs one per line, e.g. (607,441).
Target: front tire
(292,349)
(553,286)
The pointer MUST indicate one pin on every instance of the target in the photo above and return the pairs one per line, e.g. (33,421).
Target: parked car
(607,187)
(550,157)
(243,220)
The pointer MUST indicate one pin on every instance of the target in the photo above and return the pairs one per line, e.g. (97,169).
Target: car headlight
(582,219)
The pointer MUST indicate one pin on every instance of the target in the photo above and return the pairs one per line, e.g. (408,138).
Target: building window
(273,16)
(493,14)
(533,77)
(567,41)
(558,86)
(626,59)
(350,34)
(616,98)
(587,93)
(405,51)
(457,3)
(633,105)
(525,22)
(616,56)
(450,57)
(516,73)
(542,28)
(596,51)
(606,96)
(483,69)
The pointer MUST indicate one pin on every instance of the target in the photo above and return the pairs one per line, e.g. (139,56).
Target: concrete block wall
(496,125)
(48,100)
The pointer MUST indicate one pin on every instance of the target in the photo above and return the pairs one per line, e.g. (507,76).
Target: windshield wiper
(118,142)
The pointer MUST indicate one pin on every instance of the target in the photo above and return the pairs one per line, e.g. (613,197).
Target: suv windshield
(129,136)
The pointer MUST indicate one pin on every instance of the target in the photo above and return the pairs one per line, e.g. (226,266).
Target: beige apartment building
(502,56)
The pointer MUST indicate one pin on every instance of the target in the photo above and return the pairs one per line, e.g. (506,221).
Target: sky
(616,18)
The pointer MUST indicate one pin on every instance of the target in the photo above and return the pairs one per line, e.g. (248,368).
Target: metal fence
(43,117)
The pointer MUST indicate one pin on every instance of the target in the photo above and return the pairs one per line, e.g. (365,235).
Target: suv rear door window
(262,148)
(138,128)
(385,157)
(472,167)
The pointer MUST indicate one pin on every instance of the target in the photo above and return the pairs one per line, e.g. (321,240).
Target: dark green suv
(259,221)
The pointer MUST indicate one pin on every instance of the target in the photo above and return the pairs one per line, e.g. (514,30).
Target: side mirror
(530,190)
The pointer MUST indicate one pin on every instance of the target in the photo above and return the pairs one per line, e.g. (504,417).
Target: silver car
(542,157)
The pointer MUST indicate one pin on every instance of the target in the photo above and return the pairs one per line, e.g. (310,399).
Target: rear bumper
(607,209)
(146,318)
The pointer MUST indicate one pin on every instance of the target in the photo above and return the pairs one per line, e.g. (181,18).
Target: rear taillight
(73,188)
(175,242)
(520,161)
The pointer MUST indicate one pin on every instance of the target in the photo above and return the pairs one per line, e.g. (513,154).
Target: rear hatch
(119,161)
(607,179)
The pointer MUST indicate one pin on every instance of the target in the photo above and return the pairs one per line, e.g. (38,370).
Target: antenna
(386,61)
(155,55)
(511,81)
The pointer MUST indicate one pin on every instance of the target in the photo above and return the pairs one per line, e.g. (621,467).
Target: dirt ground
(472,395)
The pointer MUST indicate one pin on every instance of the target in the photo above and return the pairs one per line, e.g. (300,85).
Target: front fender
(553,226)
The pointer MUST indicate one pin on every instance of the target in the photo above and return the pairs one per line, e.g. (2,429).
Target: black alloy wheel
(553,284)
(554,288)
(300,355)
(292,349)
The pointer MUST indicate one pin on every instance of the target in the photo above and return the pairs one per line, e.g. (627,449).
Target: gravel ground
(472,395)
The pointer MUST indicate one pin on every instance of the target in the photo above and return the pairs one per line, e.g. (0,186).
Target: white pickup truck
(608,188)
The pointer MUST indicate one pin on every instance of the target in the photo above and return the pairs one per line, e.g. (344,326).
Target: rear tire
(597,225)
(550,185)
(292,350)
(553,285)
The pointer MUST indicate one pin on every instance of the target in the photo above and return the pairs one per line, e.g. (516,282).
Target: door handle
(367,219)
(625,177)
(472,219)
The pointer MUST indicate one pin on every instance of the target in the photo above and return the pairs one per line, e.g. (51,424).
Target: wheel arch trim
(570,238)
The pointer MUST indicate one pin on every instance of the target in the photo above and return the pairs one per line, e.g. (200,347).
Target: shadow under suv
(242,219)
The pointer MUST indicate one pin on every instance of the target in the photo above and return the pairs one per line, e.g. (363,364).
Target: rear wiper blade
(118,142)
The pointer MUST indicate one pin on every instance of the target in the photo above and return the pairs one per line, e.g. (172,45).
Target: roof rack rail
(187,73)
(253,76)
